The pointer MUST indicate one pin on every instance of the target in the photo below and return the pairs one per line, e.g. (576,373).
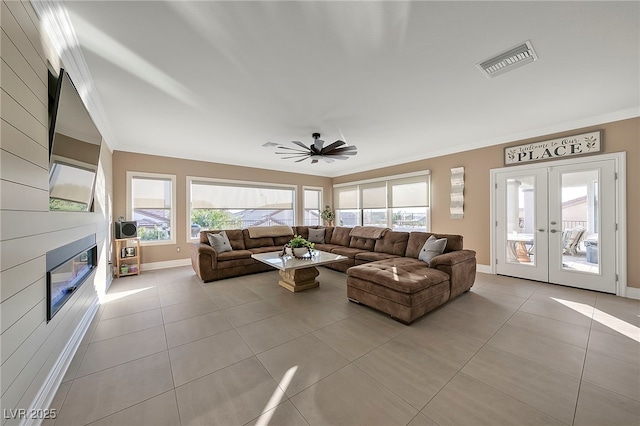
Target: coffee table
(298,274)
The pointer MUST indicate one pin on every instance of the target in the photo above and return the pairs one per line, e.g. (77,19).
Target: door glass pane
(520,238)
(580,221)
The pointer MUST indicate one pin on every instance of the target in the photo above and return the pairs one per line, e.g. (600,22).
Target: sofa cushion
(235,238)
(417,240)
(235,263)
(326,247)
(362,243)
(281,241)
(316,235)
(256,242)
(347,251)
(438,292)
(340,236)
(392,243)
(270,231)
(267,249)
(432,248)
(373,256)
(234,255)
(373,232)
(219,242)
(400,274)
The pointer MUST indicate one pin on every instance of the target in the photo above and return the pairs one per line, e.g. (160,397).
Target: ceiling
(214,81)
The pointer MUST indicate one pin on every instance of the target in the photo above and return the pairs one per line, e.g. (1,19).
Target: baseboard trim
(633,293)
(484,269)
(166,264)
(47,392)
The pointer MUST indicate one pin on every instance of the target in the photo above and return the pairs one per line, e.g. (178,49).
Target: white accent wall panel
(30,348)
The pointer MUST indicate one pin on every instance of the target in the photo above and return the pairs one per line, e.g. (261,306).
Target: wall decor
(587,143)
(457,193)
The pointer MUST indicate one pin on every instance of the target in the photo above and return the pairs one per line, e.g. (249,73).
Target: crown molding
(56,24)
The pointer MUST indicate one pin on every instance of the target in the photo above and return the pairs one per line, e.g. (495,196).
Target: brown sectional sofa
(383,272)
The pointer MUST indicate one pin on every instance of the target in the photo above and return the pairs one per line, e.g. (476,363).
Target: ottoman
(404,288)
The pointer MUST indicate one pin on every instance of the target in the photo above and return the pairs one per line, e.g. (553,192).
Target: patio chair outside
(571,239)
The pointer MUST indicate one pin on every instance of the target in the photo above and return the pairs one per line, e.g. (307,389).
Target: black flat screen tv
(74,148)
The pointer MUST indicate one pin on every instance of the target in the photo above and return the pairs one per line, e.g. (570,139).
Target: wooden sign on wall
(587,143)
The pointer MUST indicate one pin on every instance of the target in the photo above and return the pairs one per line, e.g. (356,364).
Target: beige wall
(30,347)
(127,161)
(475,227)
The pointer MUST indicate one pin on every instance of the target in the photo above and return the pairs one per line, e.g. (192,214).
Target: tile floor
(167,349)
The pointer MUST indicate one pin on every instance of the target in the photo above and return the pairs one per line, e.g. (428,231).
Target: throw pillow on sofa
(316,236)
(431,248)
(219,242)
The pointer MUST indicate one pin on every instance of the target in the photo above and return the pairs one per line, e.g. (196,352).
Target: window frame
(237,183)
(129,203)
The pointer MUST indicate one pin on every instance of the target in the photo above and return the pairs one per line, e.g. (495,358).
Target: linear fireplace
(67,268)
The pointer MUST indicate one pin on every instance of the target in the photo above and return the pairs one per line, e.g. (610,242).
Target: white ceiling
(216,80)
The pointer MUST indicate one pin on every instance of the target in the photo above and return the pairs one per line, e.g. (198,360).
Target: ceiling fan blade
(302,159)
(295,156)
(342,154)
(328,159)
(268,144)
(293,149)
(318,144)
(339,157)
(344,151)
(333,146)
(300,144)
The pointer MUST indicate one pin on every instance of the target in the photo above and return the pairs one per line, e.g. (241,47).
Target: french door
(557,223)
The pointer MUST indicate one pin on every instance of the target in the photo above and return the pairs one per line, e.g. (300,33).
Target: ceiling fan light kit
(338,150)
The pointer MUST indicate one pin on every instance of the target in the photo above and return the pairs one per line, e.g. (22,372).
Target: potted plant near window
(328,215)
(298,247)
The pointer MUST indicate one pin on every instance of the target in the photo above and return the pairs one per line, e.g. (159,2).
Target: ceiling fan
(316,151)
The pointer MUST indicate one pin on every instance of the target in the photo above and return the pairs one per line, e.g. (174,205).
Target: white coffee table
(298,274)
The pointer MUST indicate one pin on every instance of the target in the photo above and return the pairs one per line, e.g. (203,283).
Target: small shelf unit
(127,256)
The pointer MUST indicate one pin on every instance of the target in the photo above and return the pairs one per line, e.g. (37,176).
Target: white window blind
(411,192)
(206,195)
(345,197)
(374,195)
(149,193)
(312,199)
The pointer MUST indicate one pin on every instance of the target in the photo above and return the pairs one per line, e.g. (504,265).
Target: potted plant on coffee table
(298,247)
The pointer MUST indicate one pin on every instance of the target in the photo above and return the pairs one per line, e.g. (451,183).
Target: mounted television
(74,148)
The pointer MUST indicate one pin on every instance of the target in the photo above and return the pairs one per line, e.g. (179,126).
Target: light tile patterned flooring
(170,350)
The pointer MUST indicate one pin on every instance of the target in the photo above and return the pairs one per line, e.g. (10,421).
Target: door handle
(541,230)
(553,231)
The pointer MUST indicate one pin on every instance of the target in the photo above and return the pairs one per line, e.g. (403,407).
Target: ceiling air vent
(506,61)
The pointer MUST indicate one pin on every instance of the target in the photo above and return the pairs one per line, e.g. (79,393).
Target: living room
(42,361)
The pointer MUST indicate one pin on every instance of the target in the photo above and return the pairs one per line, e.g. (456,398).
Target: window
(219,204)
(373,200)
(409,203)
(150,202)
(312,206)
(398,202)
(345,199)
